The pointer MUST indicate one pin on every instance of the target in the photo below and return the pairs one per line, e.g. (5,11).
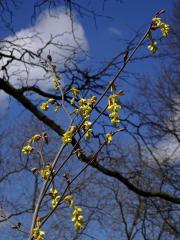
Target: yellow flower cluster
(38,234)
(56,79)
(77,218)
(47,172)
(75,91)
(67,136)
(87,129)
(157,23)
(153,46)
(85,106)
(114,107)
(45,105)
(56,84)
(27,149)
(55,197)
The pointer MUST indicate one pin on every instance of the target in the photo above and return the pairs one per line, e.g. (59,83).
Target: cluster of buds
(75,92)
(85,107)
(157,24)
(56,84)
(38,234)
(153,46)
(51,101)
(67,136)
(77,218)
(55,197)
(56,79)
(47,172)
(28,149)
(114,107)
(87,129)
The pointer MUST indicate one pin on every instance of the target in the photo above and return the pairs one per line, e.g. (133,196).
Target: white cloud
(168,149)
(57,26)
(115,31)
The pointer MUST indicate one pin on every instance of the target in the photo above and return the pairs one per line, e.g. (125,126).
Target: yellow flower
(153,47)
(67,136)
(55,201)
(114,107)
(77,218)
(53,192)
(57,107)
(27,149)
(109,137)
(55,197)
(75,91)
(87,129)
(47,172)
(44,106)
(72,101)
(56,84)
(157,21)
(165,29)
(78,225)
(38,234)
(86,105)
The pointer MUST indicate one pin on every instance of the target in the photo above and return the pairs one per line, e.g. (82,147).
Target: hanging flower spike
(157,24)
(56,84)
(47,172)
(165,29)
(38,234)
(55,197)
(114,107)
(153,47)
(87,129)
(86,105)
(75,91)
(67,136)
(77,218)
